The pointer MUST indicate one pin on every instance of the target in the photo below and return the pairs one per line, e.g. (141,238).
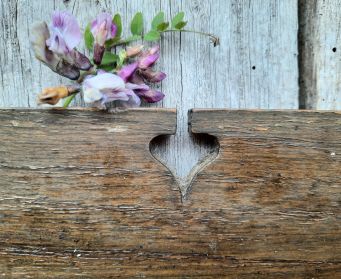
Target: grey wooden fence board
(321,54)
(259,33)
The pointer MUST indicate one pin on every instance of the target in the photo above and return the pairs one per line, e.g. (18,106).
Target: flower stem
(214,39)
(211,36)
(68,100)
(91,71)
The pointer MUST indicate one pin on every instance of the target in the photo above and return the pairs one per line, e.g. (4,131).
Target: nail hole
(334,49)
(253,67)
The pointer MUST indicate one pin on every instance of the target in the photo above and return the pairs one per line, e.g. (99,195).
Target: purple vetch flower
(136,83)
(106,87)
(65,33)
(142,68)
(103,29)
(140,72)
(148,58)
(38,36)
(56,47)
(127,71)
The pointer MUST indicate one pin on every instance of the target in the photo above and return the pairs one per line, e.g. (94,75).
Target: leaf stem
(191,31)
(68,100)
(214,39)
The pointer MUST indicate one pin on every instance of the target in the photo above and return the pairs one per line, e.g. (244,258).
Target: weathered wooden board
(81,196)
(320,49)
(254,67)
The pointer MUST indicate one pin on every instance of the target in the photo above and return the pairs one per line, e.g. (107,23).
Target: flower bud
(52,95)
(98,54)
(133,51)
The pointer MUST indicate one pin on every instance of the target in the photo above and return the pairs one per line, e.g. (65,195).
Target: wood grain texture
(259,33)
(320,62)
(81,196)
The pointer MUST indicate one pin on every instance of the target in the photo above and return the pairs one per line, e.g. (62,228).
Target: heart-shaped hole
(185,157)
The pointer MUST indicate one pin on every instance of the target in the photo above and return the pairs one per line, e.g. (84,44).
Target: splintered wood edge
(119,110)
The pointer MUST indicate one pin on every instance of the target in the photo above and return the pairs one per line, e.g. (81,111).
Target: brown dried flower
(52,95)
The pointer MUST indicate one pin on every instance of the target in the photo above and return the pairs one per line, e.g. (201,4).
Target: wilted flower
(52,95)
(107,87)
(55,47)
(103,29)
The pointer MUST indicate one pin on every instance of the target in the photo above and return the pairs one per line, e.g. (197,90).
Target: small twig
(214,39)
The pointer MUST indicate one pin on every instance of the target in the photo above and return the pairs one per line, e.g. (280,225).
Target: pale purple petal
(116,95)
(105,81)
(149,60)
(126,98)
(107,87)
(150,96)
(103,28)
(92,95)
(136,78)
(126,71)
(65,32)
(133,86)
(39,33)
(134,100)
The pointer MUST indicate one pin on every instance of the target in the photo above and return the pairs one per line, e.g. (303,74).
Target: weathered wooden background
(281,54)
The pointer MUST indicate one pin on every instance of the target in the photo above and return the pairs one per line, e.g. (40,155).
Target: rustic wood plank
(260,33)
(81,195)
(320,63)
(254,67)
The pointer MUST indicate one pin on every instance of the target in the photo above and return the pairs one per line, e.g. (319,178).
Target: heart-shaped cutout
(185,157)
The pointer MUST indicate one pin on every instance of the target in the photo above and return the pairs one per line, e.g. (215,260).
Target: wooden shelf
(81,195)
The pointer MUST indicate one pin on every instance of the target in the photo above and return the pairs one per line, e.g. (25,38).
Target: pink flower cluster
(127,83)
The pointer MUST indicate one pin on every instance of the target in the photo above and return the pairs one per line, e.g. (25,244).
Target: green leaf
(107,68)
(180,25)
(157,20)
(112,42)
(109,58)
(152,35)
(162,26)
(122,55)
(118,22)
(88,38)
(136,26)
(178,18)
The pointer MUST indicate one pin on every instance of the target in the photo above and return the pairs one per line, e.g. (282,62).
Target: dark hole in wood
(208,142)
(253,67)
(334,49)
